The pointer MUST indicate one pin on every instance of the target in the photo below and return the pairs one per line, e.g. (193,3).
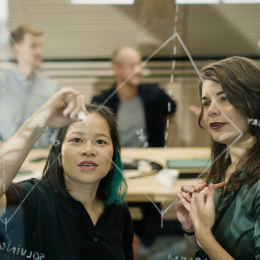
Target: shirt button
(95,239)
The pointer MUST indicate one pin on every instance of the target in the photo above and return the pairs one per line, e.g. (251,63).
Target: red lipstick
(216,125)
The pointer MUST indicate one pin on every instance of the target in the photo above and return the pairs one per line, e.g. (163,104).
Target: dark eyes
(206,104)
(224,99)
(78,140)
(100,142)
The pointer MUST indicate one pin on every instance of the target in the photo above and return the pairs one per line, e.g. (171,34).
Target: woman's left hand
(202,211)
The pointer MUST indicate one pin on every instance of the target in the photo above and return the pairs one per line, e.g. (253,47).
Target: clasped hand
(195,209)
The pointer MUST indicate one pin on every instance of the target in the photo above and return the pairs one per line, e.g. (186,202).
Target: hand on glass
(61,109)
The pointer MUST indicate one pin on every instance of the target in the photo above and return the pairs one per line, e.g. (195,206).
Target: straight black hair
(112,188)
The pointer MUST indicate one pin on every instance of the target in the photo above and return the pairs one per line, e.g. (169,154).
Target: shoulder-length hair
(112,188)
(240,80)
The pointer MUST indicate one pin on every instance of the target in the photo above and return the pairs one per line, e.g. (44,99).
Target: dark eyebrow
(217,94)
(100,134)
(79,133)
(220,92)
(97,135)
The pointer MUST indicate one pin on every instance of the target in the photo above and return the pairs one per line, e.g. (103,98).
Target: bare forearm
(212,248)
(2,205)
(15,150)
(192,244)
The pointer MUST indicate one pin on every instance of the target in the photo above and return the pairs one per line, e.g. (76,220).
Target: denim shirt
(20,98)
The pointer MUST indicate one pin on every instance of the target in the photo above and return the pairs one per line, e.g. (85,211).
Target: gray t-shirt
(20,98)
(132,123)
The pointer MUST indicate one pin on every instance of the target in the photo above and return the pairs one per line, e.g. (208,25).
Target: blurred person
(77,210)
(220,219)
(141,108)
(24,88)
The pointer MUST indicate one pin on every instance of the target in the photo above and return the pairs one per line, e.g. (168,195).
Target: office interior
(175,39)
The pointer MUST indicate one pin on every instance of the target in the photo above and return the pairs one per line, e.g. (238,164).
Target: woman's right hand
(60,110)
(182,213)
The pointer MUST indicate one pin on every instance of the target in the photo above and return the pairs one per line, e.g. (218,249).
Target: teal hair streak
(117,187)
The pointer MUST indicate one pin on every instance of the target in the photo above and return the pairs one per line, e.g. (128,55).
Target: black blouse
(42,224)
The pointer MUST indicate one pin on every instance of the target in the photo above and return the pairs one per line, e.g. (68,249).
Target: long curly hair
(240,80)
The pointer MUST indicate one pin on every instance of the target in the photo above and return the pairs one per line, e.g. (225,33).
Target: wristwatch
(188,233)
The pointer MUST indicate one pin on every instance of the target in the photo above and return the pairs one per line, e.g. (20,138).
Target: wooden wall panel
(91,78)
(89,31)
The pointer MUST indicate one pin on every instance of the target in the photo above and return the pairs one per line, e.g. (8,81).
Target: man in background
(141,109)
(24,88)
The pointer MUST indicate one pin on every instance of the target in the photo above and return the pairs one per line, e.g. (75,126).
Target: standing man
(141,109)
(24,88)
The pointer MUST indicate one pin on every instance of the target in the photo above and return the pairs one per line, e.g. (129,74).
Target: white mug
(167,177)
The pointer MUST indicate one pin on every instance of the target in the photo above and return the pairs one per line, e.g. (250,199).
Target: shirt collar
(22,76)
(61,198)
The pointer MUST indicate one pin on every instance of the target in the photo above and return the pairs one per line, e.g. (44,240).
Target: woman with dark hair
(77,210)
(225,223)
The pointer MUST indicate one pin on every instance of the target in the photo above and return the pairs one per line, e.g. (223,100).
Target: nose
(138,68)
(213,109)
(40,50)
(88,149)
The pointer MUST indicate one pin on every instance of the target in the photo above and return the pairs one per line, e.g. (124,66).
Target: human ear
(115,69)
(15,49)
(60,160)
